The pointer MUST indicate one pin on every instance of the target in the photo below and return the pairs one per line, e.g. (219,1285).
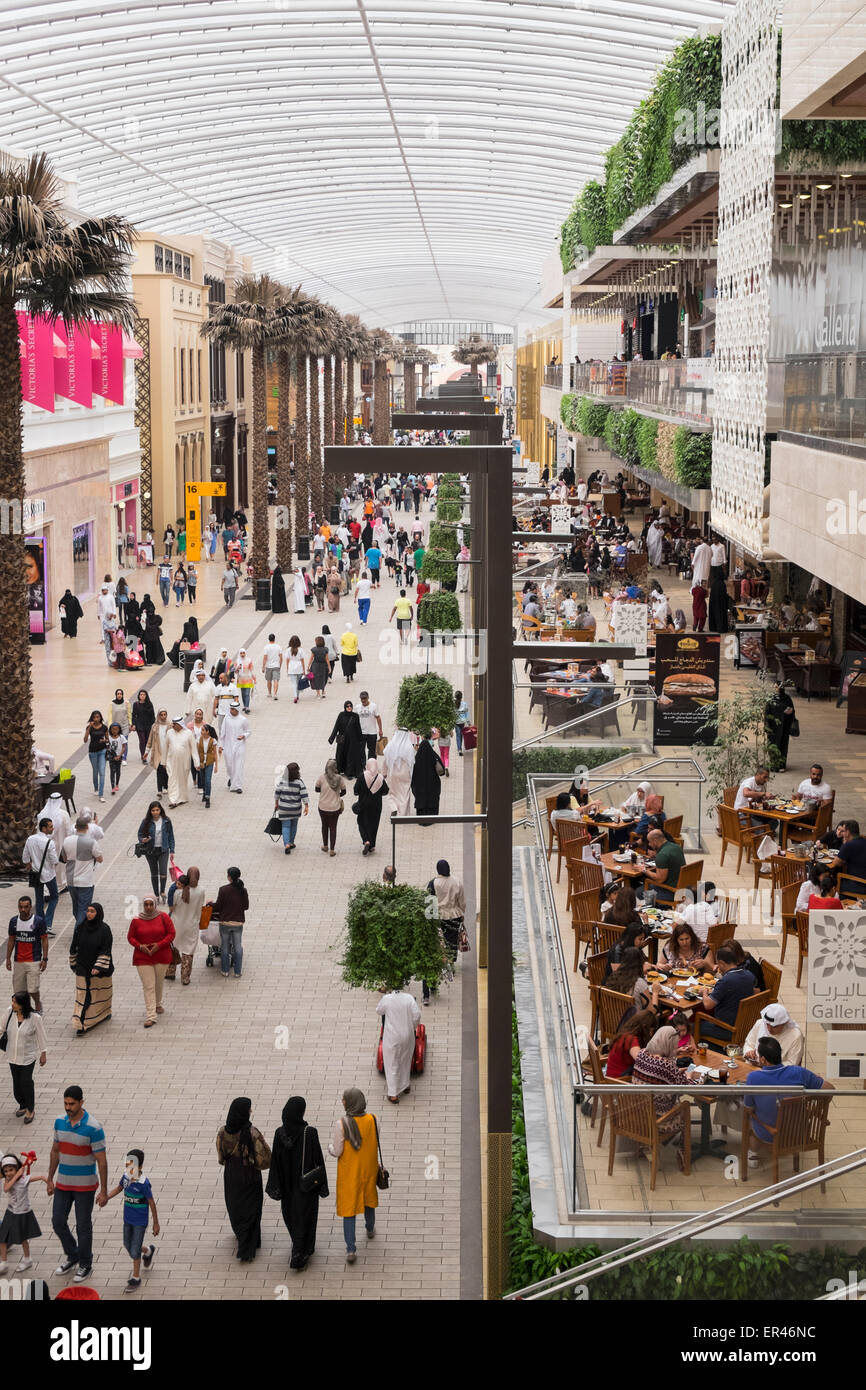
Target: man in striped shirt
(76,1154)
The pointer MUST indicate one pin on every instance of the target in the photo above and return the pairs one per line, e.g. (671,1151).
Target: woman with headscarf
(779,717)
(719,605)
(680,621)
(222,664)
(154,652)
(334,589)
(187,641)
(331,646)
(398,761)
(296,1155)
(349,653)
(354,1144)
(70,613)
(351,747)
(185,902)
(120,714)
(245,677)
(370,788)
(133,616)
(278,592)
(426,775)
(156,750)
(300,591)
(243,1154)
(150,935)
(91,962)
(331,789)
(142,720)
(655,1064)
(451,903)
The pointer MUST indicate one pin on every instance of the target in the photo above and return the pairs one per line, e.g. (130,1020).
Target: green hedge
(633,437)
(440,612)
(590,417)
(426,702)
(646,431)
(449,511)
(443,538)
(693,458)
(566,408)
(744,1270)
(438,564)
(563,760)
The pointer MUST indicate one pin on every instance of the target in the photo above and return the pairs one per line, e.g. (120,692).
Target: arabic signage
(837,967)
(560,518)
(630,625)
(687,687)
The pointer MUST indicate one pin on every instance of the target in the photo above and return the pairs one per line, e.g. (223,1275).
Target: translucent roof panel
(403,160)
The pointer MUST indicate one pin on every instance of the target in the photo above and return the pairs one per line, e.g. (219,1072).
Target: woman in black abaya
(71,611)
(154,652)
(243,1153)
(296,1151)
(278,592)
(370,788)
(719,604)
(426,779)
(351,751)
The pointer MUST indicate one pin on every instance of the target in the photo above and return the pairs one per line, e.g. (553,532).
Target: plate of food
(655,977)
(682,974)
(707,979)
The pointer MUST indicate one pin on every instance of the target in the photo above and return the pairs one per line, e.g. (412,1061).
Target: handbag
(462,940)
(381,745)
(794,730)
(174,871)
(383,1177)
(303,683)
(4,1036)
(139,850)
(205,916)
(314,1179)
(274,827)
(356,806)
(34,878)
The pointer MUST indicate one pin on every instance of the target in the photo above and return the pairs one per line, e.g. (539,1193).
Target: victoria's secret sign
(76,361)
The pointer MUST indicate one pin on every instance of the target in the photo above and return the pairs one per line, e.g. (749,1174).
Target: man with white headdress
(655,544)
(201,693)
(55,810)
(233,742)
(397,763)
(181,752)
(300,592)
(400,1015)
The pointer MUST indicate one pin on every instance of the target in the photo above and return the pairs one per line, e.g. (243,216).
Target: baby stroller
(211,938)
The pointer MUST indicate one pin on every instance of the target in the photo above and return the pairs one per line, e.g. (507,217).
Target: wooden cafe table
(783,815)
(611,862)
(738,1069)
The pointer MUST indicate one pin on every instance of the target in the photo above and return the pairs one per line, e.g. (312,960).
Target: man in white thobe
(55,810)
(655,544)
(180,752)
(401,1016)
(233,742)
(701,564)
(201,695)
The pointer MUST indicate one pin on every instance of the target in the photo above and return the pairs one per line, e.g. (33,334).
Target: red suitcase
(418,1057)
(470,735)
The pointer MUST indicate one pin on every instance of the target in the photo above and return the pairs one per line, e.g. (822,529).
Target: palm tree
(250,323)
(321,340)
(296,307)
(383,348)
(356,347)
(474,349)
(76,273)
(410,354)
(338,431)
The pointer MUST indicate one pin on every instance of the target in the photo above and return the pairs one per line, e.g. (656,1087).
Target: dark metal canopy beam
(572,651)
(445,420)
(475,405)
(391,458)
(540,537)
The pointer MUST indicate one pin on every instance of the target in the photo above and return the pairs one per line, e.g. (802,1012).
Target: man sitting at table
(594,697)
(669,859)
(702,914)
(773,1072)
(851,861)
(752,791)
(776,1022)
(813,788)
(723,1000)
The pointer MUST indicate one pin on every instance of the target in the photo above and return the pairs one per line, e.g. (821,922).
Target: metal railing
(595,722)
(681,387)
(553,375)
(693,1226)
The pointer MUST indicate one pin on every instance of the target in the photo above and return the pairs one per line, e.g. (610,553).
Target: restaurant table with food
(680,989)
(727,1068)
(627,864)
(784,812)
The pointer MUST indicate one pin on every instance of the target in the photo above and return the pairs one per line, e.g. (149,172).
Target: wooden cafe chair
(633,1116)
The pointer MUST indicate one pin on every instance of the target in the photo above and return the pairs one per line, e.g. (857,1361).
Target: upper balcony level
(682,388)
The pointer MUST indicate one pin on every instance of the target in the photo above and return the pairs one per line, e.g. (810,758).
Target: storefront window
(82,559)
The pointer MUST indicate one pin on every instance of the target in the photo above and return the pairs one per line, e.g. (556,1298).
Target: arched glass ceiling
(401,158)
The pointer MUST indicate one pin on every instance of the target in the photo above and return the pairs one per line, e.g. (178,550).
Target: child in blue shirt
(137,1201)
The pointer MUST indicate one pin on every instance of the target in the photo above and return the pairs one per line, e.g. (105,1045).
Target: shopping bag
(205,916)
(303,683)
(174,871)
(470,735)
(274,828)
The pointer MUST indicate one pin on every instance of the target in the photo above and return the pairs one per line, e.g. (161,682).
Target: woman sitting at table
(685,950)
(810,885)
(683,1024)
(629,979)
(655,1065)
(580,799)
(634,937)
(564,810)
(629,1039)
(826,895)
(624,912)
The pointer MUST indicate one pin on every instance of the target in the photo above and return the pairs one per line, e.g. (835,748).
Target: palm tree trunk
(261,529)
(316,494)
(409,397)
(328,481)
(381,410)
(339,425)
(17,790)
(284,470)
(350,400)
(302,447)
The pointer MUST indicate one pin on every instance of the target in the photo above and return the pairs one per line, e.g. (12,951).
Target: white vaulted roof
(401,158)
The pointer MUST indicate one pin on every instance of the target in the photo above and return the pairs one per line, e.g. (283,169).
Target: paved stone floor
(289,1026)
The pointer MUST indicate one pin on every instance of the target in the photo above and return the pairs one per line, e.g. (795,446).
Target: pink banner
(73,374)
(36,345)
(108,367)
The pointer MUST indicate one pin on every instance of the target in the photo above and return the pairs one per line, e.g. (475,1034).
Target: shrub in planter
(426,702)
(449,511)
(438,564)
(450,492)
(390,938)
(443,538)
(646,432)
(440,613)
(565,408)
(591,417)
(693,458)
(563,760)
(665,449)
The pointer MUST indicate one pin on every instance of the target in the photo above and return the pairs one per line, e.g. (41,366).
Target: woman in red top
(151,934)
(628,1040)
(826,896)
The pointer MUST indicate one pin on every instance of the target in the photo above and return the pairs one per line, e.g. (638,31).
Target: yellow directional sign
(193,491)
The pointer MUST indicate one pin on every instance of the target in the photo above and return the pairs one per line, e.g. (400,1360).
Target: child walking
(137,1202)
(117,746)
(19,1226)
(444,743)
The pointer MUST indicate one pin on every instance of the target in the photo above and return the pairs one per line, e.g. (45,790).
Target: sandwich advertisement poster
(687,686)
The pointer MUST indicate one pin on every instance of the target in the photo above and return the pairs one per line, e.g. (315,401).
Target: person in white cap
(180,753)
(201,693)
(233,742)
(776,1022)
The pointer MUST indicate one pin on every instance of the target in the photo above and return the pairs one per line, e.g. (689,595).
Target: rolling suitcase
(419,1056)
(470,735)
